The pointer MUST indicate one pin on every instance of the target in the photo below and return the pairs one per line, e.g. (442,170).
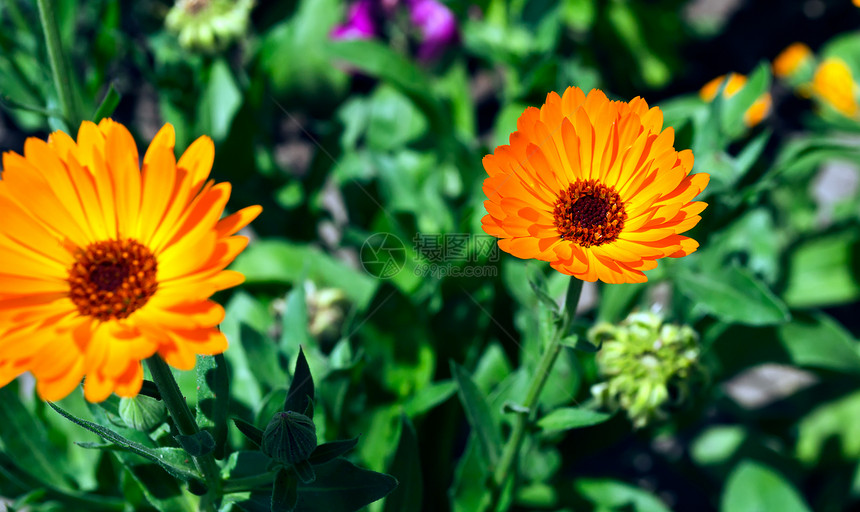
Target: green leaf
(108,104)
(305,471)
(381,61)
(429,397)
(537,282)
(406,468)
(718,444)
(172,460)
(213,396)
(26,441)
(393,121)
(280,262)
(824,271)
(479,415)
(254,434)
(751,153)
(263,357)
(301,388)
(468,489)
(327,451)
(611,494)
(294,323)
(308,75)
(733,295)
(198,444)
(220,101)
(493,367)
(831,430)
(568,418)
(284,491)
(754,487)
(818,341)
(616,301)
(735,107)
(341,486)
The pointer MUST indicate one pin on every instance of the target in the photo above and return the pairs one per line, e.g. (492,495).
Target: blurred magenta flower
(437,24)
(359,23)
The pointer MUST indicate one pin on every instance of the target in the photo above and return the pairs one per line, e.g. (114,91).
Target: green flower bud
(142,412)
(644,363)
(290,437)
(209,25)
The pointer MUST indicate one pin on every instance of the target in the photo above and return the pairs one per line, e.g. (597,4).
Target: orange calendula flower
(791,60)
(757,111)
(105,264)
(595,187)
(834,85)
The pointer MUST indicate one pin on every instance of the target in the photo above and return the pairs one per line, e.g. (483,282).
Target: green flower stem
(184,420)
(62,78)
(541,375)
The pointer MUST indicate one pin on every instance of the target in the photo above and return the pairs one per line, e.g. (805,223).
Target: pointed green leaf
(183,470)
(25,439)
(302,386)
(305,472)
(406,468)
(734,295)
(479,415)
(328,451)
(344,487)
(429,397)
(568,418)
(816,340)
(254,434)
(108,104)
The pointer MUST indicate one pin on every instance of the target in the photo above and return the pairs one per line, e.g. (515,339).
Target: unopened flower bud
(645,364)
(327,309)
(142,412)
(290,437)
(209,25)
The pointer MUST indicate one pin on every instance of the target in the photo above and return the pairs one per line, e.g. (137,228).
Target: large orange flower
(103,264)
(595,187)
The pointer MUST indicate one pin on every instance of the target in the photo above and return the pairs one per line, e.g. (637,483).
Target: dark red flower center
(112,279)
(589,213)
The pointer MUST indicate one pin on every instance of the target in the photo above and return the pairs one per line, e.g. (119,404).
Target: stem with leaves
(59,69)
(184,420)
(512,448)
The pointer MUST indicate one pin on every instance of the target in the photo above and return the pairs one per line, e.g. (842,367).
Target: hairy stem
(57,59)
(185,423)
(507,463)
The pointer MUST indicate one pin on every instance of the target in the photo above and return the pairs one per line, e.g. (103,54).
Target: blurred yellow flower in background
(834,85)
(593,186)
(106,264)
(791,60)
(734,84)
